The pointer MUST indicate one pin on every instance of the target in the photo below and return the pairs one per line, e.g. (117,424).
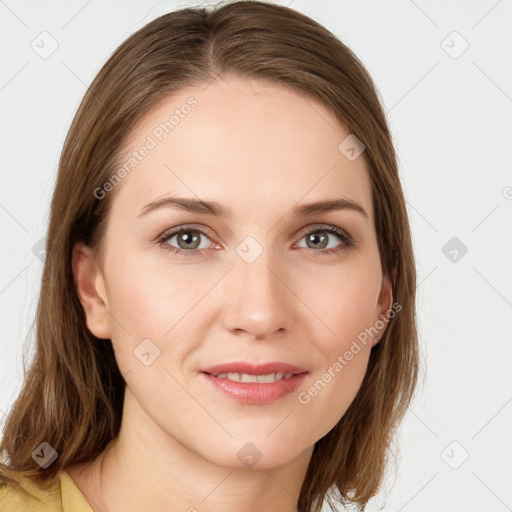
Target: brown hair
(72,396)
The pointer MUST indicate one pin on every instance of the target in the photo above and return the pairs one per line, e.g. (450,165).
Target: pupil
(315,235)
(188,239)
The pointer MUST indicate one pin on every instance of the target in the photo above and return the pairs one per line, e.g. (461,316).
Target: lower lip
(254,392)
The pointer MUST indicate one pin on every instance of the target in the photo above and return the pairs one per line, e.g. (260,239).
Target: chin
(255,452)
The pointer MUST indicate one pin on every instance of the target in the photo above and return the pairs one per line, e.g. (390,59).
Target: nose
(258,301)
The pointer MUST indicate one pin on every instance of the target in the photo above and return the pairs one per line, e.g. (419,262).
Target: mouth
(245,368)
(255,384)
(246,377)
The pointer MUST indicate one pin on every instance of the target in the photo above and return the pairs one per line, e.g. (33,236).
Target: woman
(227,312)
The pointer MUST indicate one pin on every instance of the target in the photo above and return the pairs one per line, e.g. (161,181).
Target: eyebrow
(216,209)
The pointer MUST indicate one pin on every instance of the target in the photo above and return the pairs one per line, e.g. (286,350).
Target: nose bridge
(259,302)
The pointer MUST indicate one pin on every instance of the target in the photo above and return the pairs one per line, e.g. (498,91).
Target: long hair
(72,396)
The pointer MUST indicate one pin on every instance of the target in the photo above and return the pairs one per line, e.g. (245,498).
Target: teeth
(270,378)
(244,377)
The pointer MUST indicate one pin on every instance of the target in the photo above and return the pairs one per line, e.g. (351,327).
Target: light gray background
(451,116)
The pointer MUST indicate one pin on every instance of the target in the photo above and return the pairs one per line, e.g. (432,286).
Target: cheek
(150,301)
(346,303)
(327,397)
(344,353)
(146,295)
(345,299)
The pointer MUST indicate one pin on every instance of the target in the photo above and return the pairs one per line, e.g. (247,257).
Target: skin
(259,149)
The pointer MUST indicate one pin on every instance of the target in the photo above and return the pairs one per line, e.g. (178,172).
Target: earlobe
(90,286)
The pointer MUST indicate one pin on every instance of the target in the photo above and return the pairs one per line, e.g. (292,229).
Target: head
(254,109)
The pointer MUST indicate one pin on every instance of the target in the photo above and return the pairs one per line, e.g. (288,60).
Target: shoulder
(27,495)
(57,495)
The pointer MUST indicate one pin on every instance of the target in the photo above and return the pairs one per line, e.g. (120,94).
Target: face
(265,280)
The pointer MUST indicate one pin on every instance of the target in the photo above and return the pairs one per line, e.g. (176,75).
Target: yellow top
(62,496)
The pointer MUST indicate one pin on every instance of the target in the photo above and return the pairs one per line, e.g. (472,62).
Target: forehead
(243,142)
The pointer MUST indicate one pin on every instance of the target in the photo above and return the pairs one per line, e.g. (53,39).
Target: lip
(255,392)
(254,369)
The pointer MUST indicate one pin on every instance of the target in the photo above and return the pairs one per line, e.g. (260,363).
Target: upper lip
(254,369)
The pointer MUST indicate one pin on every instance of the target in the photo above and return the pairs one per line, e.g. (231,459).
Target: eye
(188,240)
(319,239)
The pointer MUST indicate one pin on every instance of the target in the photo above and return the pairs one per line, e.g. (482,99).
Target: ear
(91,291)
(385,303)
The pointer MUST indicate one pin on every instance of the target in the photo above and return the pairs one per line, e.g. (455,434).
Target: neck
(146,469)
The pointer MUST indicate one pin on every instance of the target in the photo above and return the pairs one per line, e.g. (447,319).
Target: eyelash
(348,242)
